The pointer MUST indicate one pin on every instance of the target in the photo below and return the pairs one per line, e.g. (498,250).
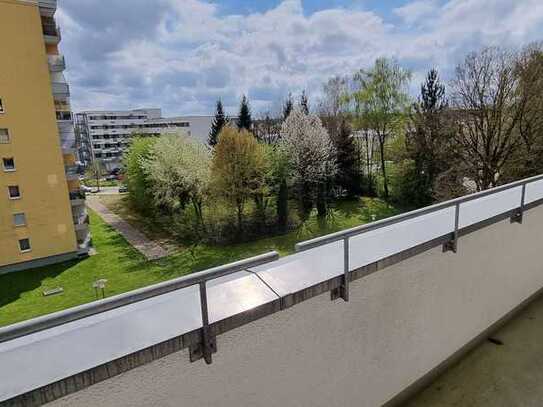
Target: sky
(183,55)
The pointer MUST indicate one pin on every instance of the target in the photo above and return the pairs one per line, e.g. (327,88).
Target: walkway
(504,371)
(150,249)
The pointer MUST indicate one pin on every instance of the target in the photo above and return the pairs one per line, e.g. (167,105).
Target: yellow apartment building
(42,210)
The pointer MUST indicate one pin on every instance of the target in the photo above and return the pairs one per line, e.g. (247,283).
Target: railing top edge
(334,237)
(62,317)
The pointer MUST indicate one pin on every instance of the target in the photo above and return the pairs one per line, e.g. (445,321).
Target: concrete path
(504,371)
(148,248)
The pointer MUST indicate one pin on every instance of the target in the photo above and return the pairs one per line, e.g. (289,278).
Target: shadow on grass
(14,284)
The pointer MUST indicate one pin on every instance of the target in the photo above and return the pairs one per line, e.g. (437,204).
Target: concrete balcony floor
(494,374)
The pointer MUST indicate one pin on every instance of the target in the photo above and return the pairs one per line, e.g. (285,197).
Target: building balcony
(81,222)
(84,245)
(68,145)
(60,90)
(51,34)
(77,198)
(72,172)
(57,63)
(47,7)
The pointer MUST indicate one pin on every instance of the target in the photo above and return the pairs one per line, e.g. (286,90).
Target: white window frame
(4,164)
(29,245)
(20,225)
(9,136)
(16,197)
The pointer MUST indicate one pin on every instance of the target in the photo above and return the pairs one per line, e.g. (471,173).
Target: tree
(304,102)
(288,106)
(245,121)
(138,185)
(488,113)
(238,170)
(218,123)
(382,99)
(178,169)
(428,143)
(279,182)
(95,171)
(312,158)
(348,175)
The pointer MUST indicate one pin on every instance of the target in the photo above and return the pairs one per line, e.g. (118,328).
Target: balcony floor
(496,375)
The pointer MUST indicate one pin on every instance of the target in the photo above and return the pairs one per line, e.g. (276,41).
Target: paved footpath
(150,249)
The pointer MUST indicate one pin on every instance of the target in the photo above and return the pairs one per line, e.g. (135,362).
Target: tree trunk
(383,166)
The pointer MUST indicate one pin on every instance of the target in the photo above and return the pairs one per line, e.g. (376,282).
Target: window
(4,136)
(19,219)
(14,192)
(9,164)
(24,245)
(1,106)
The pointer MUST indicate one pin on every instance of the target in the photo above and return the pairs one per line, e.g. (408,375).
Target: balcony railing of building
(47,7)
(57,63)
(61,89)
(77,197)
(64,115)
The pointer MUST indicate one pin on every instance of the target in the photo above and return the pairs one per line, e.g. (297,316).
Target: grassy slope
(125,269)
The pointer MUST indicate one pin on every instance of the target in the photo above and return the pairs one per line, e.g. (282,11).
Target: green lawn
(21,294)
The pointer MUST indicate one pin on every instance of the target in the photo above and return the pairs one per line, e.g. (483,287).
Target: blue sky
(182,55)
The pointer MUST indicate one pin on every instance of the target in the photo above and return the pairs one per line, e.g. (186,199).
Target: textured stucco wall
(401,322)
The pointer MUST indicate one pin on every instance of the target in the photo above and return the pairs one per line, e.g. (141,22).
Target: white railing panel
(534,191)
(478,210)
(378,244)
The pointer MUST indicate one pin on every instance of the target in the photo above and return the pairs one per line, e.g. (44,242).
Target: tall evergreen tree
(288,106)
(348,176)
(304,102)
(218,123)
(245,120)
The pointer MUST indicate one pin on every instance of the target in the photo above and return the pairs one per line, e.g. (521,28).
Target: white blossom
(309,147)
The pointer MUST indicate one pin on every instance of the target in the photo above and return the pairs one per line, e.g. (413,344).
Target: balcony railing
(77,195)
(47,7)
(61,89)
(57,63)
(64,116)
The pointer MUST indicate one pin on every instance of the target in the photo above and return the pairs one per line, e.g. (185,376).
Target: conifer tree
(304,102)
(245,121)
(218,123)
(287,108)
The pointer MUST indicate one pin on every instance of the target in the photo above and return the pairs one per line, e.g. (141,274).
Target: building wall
(400,324)
(26,94)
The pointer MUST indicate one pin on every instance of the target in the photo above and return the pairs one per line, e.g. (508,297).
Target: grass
(21,294)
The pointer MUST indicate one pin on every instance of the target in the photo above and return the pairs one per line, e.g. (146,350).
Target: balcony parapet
(47,7)
(57,63)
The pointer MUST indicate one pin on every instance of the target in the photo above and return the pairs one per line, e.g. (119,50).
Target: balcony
(84,245)
(57,63)
(61,89)
(81,223)
(77,198)
(72,172)
(51,33)
(68,145)
(47,7)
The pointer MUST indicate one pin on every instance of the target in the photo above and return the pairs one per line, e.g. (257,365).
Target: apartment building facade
(105,135)
(43,219)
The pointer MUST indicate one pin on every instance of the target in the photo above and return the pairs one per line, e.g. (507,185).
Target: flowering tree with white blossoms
(179,170)
(312,157)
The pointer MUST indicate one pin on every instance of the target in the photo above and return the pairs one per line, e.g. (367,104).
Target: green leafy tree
(218,124)
(245,121)
(238,170)
(179,171)
(139,187)
(382,99)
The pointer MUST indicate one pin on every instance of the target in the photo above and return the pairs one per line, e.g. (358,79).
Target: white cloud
(194,54)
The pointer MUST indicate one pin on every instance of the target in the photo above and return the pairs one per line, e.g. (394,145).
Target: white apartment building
(105,135)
